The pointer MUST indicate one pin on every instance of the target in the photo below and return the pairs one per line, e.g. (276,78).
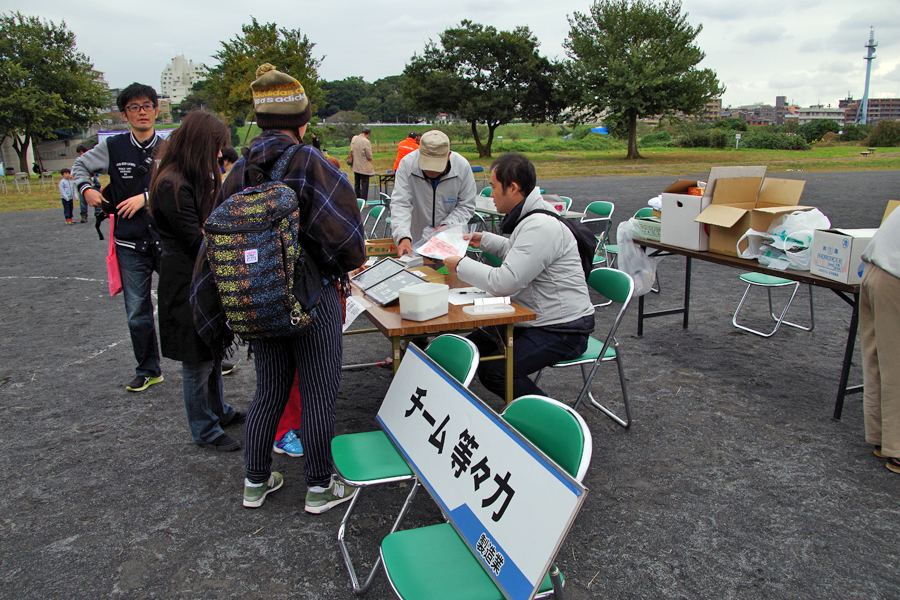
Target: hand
(93,197)
(474,239)
(130,207)
(450,262)
(404,247)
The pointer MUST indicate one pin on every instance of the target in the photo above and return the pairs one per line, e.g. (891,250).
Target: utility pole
(864,103)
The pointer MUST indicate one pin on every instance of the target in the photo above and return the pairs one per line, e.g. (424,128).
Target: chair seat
(763,279)
(435,563)
(590,355)
(612,248)
(368,457)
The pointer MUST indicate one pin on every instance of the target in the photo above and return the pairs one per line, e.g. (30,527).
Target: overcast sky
(811,52)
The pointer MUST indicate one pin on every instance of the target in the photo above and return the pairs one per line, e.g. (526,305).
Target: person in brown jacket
(361,151)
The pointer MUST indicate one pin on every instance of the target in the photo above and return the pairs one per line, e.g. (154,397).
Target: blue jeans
(67,209)
(533,349)
(83,206)
(204,400)
(137,269)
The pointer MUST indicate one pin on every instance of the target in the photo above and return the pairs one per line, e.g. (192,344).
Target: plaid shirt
(330,221)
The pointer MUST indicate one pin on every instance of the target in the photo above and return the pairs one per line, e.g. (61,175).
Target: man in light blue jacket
(541,270)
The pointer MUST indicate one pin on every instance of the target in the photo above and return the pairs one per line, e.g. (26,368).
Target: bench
(493,478)
(866,154)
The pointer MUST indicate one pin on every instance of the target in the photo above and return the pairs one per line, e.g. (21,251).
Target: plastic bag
(635,261)
(786,244)
(443,242)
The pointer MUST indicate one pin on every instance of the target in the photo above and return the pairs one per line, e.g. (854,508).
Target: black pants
(316,356)
(361,185)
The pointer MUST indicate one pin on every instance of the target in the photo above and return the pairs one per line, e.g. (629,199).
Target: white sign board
(511,504)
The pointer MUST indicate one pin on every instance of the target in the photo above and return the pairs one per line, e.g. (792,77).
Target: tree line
(625,60)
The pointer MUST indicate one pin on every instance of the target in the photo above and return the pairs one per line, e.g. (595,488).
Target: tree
(45,83)
(342,94)
(485,76)
(347,123)
(289,50)
(636,59)
(814,130)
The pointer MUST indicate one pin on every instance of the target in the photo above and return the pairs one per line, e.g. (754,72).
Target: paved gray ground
(734,481)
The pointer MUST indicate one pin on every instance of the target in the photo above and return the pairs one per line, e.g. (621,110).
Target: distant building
(878,109)
(178,77)
(818,112)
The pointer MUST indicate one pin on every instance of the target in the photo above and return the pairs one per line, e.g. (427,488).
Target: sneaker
(877,451)
(289,444)
(892,464)
(228,368)
(69,222)
(239,417)
(83,219)
(255,496)
(223,443)
(139,383)
(319,502)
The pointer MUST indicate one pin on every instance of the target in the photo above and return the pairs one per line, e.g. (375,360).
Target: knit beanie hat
(279,100)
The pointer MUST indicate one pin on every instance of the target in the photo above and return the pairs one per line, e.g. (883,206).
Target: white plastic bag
(635,261)
(786,244)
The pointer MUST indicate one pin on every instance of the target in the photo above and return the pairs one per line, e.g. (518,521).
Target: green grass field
(656,161)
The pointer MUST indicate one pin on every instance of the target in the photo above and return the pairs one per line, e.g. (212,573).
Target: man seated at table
(433,187)
(541,271)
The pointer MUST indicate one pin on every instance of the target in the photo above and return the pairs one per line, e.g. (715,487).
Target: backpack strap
(281,165)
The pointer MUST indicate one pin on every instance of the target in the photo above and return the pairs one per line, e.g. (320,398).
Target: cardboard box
(837,253)
(381,247)
(892,204)
(648,228)
(743,203)
(428,274)
(679,211)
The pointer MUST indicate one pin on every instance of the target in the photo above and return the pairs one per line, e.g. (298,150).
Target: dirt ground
(733,482)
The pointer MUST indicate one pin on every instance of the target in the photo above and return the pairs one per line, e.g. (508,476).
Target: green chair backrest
(486,192)
(491,258)
(376,211)
(361,203)
(612,283)
(554,429)
(644,213)
(567,201)
(456,355)
(599,209)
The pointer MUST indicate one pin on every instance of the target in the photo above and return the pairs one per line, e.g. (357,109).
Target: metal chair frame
(450,363)
(22,180)
(480,175)
(46,179)
(610,350)
(768,282)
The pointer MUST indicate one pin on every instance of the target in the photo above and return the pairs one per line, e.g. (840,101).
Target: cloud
(763,35)
(892,75)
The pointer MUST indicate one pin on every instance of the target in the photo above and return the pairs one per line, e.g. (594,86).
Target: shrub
(814,130)
(658,139)
(854,133)
(886,134)
(773,141)
(732,123)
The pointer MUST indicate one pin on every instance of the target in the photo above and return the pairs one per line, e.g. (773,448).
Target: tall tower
(864,103)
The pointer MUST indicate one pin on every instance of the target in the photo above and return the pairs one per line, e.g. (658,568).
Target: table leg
(687,291)
(395,352)
(509,363)
(848,357)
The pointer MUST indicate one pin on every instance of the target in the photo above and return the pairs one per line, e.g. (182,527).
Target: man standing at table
(433,187)
(879,336)
(541,270)
(361,149)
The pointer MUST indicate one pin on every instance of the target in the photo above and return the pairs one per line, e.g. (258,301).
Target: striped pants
(316,357)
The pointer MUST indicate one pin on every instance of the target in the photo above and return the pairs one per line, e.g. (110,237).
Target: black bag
(584,239)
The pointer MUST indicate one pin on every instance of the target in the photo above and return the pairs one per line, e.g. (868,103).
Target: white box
(837,253)
(679,209)
(647,228)
(424,301)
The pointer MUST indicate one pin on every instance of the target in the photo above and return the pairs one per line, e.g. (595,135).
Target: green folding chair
(767,282)
(486,191)
(598,218)
(434,562)
(370,458)
(617,287)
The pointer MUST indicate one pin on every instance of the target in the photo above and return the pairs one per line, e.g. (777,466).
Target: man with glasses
(128,158)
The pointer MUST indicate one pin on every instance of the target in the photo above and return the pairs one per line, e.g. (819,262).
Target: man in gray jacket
(433,187)
(541,270)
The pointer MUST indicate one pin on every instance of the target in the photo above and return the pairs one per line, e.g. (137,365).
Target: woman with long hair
(182,195)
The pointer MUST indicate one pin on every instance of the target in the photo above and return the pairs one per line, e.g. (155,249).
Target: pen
(472,292)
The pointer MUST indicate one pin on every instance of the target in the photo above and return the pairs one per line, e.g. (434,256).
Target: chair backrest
(361,203)
(486,192)
(556,429)
(618,286)
(47,176)
(491,258)
(456,355)
(567,202)
(385,199)
(643,213)
(478,221)
(598,210)
(21,177)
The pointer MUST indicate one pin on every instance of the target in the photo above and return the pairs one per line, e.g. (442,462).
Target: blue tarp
(600,130)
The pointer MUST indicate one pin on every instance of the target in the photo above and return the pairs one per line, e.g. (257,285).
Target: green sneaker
(139,384)
(255,496)
(319,502)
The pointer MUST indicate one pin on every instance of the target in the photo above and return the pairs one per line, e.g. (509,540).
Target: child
(67,193)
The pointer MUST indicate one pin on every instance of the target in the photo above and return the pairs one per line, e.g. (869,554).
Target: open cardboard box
(743,203)
(680,209)
(837,253)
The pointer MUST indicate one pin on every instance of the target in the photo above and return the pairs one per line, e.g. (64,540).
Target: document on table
(460,296)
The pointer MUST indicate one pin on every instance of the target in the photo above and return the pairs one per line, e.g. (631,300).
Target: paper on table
(355,307)
(468,295)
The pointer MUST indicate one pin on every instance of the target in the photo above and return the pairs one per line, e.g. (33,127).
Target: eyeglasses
(133,108)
